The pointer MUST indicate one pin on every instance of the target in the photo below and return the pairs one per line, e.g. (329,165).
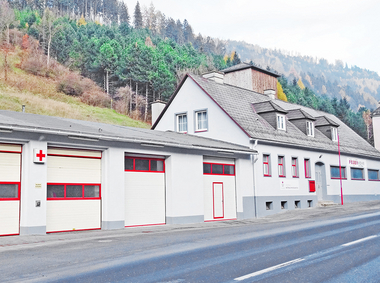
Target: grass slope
(39,96)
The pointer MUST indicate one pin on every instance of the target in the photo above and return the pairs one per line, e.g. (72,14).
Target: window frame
(310,129)
(280,117)
(357,179)
(18,190)
(295,167)
(223,174)
(334,134)
(378,175)
(74,184)
(307,168)
(183,114)
(282,166)
(337,178)
(144,158)
(268,163)
(198,130)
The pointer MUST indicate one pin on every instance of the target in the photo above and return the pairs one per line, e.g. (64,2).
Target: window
(334,134)
(295,167)
(307,168)
(73,191)
(266,164)
(310,128)
(281,124)
(201,122)
(144,164)
(357,174)
(182,123)
(9,191)
(218,169)
(281,166)
(373,175)
(334,170)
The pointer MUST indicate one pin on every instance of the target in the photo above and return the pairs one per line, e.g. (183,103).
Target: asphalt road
(336,244)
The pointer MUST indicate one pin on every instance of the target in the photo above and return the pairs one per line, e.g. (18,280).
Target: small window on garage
(373,175)
(335,172)
(73,191)
(218,169)
(144,164)
(9,191)
(357,174)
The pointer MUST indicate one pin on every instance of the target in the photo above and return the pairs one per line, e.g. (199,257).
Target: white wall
(376,131)
(191,98)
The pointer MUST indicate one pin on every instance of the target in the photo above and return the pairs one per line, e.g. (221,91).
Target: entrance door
(320,180)
(218,200)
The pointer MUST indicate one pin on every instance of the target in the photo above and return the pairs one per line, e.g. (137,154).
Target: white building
(298,161)
(376,127)
(62,175)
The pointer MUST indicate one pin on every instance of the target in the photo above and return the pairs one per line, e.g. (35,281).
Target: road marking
(105,241)
(360,240)
(268,269)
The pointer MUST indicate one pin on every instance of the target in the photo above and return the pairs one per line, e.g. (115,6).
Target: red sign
(39,155)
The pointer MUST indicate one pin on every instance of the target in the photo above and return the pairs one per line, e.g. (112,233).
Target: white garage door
(73,190)
(219,189)
(144,191)
(10,189)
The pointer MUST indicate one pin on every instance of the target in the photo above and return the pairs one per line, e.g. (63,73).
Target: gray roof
(26,122)
(299,114)
(237,103)
(267,106)
(243,66)
(325,121)
(376,112)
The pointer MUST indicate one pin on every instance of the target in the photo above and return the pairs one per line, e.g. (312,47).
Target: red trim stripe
(143,225)
(64,231)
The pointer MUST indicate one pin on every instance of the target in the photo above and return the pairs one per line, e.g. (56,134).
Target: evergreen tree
(236,60)
(138,21)
(123,12)
(188,35)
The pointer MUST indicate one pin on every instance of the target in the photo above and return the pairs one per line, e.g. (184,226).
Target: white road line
(360,240)
(268,269)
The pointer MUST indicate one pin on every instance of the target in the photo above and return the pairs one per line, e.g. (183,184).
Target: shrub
(71,84)
(96,98)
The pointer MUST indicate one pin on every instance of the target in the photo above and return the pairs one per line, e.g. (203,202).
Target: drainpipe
(253,160)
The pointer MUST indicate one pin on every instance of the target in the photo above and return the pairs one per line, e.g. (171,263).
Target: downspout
(253,160)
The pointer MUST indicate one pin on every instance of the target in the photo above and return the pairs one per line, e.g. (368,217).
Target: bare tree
(7,18)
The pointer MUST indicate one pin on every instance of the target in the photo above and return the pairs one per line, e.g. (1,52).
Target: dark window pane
(206,168)
(128,164)
(142,164)
(91,191)
(74,191)
(55,191)
(156,165)
(335,172)
(217,169)
(373,175)
(8,191)
(357,173)
(229,170)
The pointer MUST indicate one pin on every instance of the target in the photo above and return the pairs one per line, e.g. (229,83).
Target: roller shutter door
(144,191)
(219,189)
(10,189)
(73,190)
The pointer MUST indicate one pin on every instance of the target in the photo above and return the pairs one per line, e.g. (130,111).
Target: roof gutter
(147,143)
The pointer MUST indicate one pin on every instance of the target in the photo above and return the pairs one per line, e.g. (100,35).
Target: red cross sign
(39,155)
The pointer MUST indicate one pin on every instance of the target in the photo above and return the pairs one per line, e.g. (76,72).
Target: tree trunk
(137,93)
(154,96)
(48,51)
(131,98)
(146,102)
(107,86)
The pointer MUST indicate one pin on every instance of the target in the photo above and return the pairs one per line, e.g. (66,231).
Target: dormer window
(310,128)
(334,134)
(281,123)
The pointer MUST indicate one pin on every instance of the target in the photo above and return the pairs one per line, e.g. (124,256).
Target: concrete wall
(242,78)
(376,131)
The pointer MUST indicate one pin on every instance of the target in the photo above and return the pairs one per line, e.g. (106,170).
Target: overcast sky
(348,30)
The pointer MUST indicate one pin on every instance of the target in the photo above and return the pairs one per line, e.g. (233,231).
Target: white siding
(74,152)
(144,198)
(73,170)
(10,167)
(10,147)
(210,159)
(67,215)
(9,217)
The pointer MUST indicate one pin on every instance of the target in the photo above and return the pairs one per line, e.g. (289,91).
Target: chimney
(271,93)
(215,76)
(157,108)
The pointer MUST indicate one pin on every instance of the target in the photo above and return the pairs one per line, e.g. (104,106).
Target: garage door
(73,190)
(219,189)
(10,174)
(144,191)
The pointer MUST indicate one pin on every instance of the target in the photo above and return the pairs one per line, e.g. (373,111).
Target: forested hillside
(139,56)
(359,86)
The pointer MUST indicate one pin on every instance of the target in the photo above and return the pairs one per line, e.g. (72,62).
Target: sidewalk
(310,214)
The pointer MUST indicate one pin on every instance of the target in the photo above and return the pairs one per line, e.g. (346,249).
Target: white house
(376,127)
(298,161)
(62,175)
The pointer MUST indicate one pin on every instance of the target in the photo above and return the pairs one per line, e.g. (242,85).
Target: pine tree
(123,12)
(236,60)
(138,21)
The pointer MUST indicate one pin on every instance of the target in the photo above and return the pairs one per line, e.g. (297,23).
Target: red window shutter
(311,186)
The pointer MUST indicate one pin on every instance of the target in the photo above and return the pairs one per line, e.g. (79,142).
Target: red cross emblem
(39,156)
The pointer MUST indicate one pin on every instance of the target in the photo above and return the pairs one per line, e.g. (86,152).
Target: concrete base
(185,219)
(248,209)
(352,198)
(110,225)
(37,230)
